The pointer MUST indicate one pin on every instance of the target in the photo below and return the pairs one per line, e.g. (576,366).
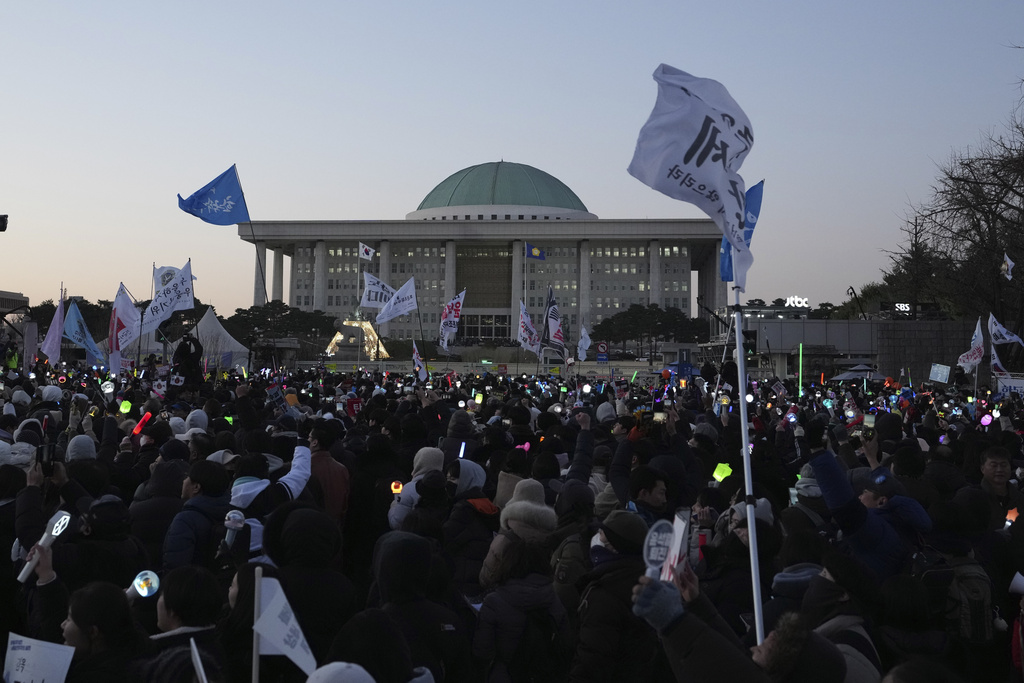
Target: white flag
(376,292)
(366,252)
(51,345)
(279,629)
(691,149)
(164,276)
(583,344)
(528,336)
(970,360)
(1007,267)
(418,364)
(999,334)
(176,295)
(124,327)
(404,301)
(998,370)
(450,317)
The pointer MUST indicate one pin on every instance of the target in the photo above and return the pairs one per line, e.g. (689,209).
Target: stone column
(259,291)
(517,283)
(277,283)
(320,276)
(384,254)
(583,282)
(450,285)
(654,254)
(294,283)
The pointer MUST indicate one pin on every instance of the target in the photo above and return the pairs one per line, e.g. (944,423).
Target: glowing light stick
(55,527)
(233,522)
(142,422)
(147,583)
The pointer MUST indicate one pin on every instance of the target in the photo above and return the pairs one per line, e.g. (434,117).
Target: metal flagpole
(725,350)
(748,478)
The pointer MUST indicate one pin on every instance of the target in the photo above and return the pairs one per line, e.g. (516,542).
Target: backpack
(543,655)
(959,594)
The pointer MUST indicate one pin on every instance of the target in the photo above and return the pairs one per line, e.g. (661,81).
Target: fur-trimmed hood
(528,520)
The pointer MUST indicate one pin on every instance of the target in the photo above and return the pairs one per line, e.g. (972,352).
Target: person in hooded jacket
(523,587)
(152,517)
(462,438)
(372,640)
(305,544)
(524,517)
(426,460)
(437,637)
(614,644)
(470,526)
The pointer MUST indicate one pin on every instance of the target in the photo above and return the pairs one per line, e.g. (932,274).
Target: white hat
(340,672)
(189,434)
(223,457)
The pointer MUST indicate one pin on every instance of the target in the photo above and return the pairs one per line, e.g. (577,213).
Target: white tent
(219,348)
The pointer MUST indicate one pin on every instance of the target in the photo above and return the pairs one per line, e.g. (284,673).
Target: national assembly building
(471,232)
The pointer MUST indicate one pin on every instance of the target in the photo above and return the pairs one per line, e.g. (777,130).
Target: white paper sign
(279,628)
(30,661)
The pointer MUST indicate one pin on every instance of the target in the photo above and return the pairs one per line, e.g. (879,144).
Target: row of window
(494,217)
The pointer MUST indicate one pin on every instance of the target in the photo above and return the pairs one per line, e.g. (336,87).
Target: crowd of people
(491,527)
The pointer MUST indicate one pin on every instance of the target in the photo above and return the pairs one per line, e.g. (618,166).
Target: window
(330,301)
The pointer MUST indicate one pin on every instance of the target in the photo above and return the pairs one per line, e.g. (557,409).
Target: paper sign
(779,388)
(29,660)
(939,373)
(275,395)
(657,546)
(291,399)
(680,543)
(278,627)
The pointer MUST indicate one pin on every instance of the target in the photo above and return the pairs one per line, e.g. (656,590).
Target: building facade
(471,232)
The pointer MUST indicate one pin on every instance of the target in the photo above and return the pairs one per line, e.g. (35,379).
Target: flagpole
(748,478)
(257,608)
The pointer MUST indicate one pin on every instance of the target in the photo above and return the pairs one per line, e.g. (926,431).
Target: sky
(356,110)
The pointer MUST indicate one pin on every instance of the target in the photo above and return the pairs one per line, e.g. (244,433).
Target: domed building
(471,232)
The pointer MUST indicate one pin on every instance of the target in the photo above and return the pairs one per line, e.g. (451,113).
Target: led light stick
(55,527)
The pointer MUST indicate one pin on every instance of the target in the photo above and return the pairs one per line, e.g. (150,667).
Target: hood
(427,459)
(530,521)
(308,538)
(197,418)
(401,566)
(808,487)
(471,476)
(244,492)
(81,447)
(166,479)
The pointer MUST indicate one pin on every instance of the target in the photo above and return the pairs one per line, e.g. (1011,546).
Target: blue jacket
(882,538)
(190,538)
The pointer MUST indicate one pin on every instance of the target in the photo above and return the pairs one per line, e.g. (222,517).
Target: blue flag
(753,210)
(77,332)
(220,202)
(534,252)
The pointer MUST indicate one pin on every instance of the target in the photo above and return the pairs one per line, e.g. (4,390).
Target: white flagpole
(748,478)
(257,591)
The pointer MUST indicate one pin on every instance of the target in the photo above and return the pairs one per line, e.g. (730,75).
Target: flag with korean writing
(175,296)
(998,369)
(450,317)
(753,210)
(404,301)
(279,629)
(220,201)
(376,292)
(971,358)
(999,334)
(691,149)
(528,336)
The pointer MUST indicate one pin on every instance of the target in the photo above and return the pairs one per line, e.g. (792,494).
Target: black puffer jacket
(152,517)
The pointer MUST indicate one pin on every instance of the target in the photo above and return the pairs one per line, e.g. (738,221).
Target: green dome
(502,183)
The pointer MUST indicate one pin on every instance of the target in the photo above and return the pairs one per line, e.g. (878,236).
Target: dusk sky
(346,111)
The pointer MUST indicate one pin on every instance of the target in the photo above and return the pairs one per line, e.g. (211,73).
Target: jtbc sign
(797,302)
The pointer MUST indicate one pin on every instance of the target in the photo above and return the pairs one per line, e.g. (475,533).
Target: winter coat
(152,517)
(191,536)
(332,480)
(613,644)
(469,529)
(503,620)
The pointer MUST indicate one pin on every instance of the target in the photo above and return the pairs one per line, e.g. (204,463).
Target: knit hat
(506,488)
(526,515)
(52,394)
(177,425)
(461,426)
(529,490)
(340,672)
(20,455)
(626,531)
(605,412)
(706,430)
(81,447)
(762,511)
(174,450)
(427,459)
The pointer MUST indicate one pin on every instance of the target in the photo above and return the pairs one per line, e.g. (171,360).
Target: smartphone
(660,416)
(869,421)
(792,497)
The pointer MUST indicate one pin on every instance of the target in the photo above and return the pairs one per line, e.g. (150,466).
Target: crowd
(491,528)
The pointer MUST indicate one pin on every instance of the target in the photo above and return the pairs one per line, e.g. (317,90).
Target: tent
(219,348)
(858,372)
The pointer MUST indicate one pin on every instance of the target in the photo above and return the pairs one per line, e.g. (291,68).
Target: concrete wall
(914,346)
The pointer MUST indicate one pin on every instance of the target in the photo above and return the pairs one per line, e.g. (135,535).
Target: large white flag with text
(124,327)
(970,359)
(404,301)
(691,149)
(376,292)
(176,295)
(450,317)
(999,334)
(528,336)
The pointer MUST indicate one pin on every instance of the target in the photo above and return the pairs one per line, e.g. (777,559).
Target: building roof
(502,183)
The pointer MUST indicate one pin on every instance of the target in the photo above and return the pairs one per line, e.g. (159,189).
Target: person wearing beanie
(425,460)
(701,647)
(525,517)
(462,439)
(613,643)
(810,513)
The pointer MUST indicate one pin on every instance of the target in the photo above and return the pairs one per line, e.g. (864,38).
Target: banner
(691,149)
(998,371)
(753,209)
(76,331)
(220,201)
(999,334)
(970,360)
(552,337)
(528,336)
(404,301)
(365,252)
(583,344)
(376,292)
(450,317)
(51,345)
(175,296)
(418,364)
